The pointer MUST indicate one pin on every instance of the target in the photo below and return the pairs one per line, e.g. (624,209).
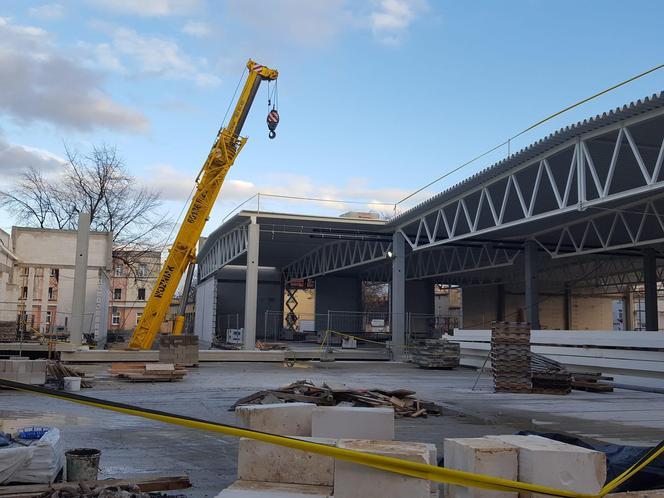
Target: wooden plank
(145,483)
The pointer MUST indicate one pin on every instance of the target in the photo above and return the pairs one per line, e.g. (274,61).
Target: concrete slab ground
(132,445)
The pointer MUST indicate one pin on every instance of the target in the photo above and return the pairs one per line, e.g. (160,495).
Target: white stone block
(358,481)
(351,422)
(482,456)
(285,419)
(258,461)
(557,465)
(254,489)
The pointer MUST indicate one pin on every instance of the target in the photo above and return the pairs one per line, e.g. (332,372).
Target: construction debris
(109,488)
(271,346)
(148,372)
(401,400)
(510,357)
(56,372)
(436,353)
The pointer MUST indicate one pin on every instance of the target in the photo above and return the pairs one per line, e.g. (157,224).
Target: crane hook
(272,122)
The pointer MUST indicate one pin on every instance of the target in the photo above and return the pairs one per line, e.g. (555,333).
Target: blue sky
(376,97)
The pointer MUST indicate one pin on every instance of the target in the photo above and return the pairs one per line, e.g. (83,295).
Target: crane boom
(225,149)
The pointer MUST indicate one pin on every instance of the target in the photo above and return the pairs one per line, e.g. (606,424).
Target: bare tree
(98,183)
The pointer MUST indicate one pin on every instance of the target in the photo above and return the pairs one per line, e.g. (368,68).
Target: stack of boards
(510,357)
(148,372)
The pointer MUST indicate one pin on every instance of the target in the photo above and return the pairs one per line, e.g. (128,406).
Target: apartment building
(133,276)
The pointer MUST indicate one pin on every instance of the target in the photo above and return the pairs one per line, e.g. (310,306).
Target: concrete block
(285,419)
(482,456)
(258,461)
(251,489)
(558,465)
(351,422)
(357,481)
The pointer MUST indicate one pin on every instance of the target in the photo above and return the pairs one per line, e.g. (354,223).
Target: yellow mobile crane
(181,256)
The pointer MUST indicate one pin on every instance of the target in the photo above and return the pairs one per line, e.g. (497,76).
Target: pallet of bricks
(8,331)
(510,357)
(436,353)
(179,349)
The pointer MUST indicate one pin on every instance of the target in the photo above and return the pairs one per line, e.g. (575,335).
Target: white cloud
(48,11)
(176,186)
(149,8)
(15,158)
(131,52)
(198,29)
(391,19)
(39,83)
(304,22)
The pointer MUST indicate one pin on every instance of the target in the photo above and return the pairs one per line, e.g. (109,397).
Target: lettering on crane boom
(196,208)
(161,287)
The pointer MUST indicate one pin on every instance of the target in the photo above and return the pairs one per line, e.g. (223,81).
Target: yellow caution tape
(389,464)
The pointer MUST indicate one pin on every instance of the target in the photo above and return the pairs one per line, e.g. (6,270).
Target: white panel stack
(352,422)
(258,461)
(482,456)
(558,465)
(285,419)
(355,481)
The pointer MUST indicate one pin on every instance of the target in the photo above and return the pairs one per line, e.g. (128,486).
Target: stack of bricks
(179,350)
(8,331)
(510,357)
(25,371)
(437,353)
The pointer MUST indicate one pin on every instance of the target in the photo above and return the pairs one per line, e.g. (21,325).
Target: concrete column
(251,286)
(398,297)
(46,278)
(80,279)
(532,295)
(500,302)
(567,308)
(650,288)
(628,310)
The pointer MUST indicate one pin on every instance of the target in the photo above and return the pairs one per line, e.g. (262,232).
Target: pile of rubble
(402,401)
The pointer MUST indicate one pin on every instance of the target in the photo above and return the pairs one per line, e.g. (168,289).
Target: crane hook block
(272,122)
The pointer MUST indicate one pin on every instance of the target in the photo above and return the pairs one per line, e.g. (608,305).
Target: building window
(24,292)
(25,271)
(142,270)
(138,317)
(48,317)
(141,294)
(115,319)
(117,294)
(55,273)
(50,293)
(119,270)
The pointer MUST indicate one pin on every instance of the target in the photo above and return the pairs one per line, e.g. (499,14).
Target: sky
(376,97)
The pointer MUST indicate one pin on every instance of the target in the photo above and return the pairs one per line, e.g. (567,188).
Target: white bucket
(72,383)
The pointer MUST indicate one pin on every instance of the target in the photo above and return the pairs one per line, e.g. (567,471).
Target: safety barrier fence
(389,464)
